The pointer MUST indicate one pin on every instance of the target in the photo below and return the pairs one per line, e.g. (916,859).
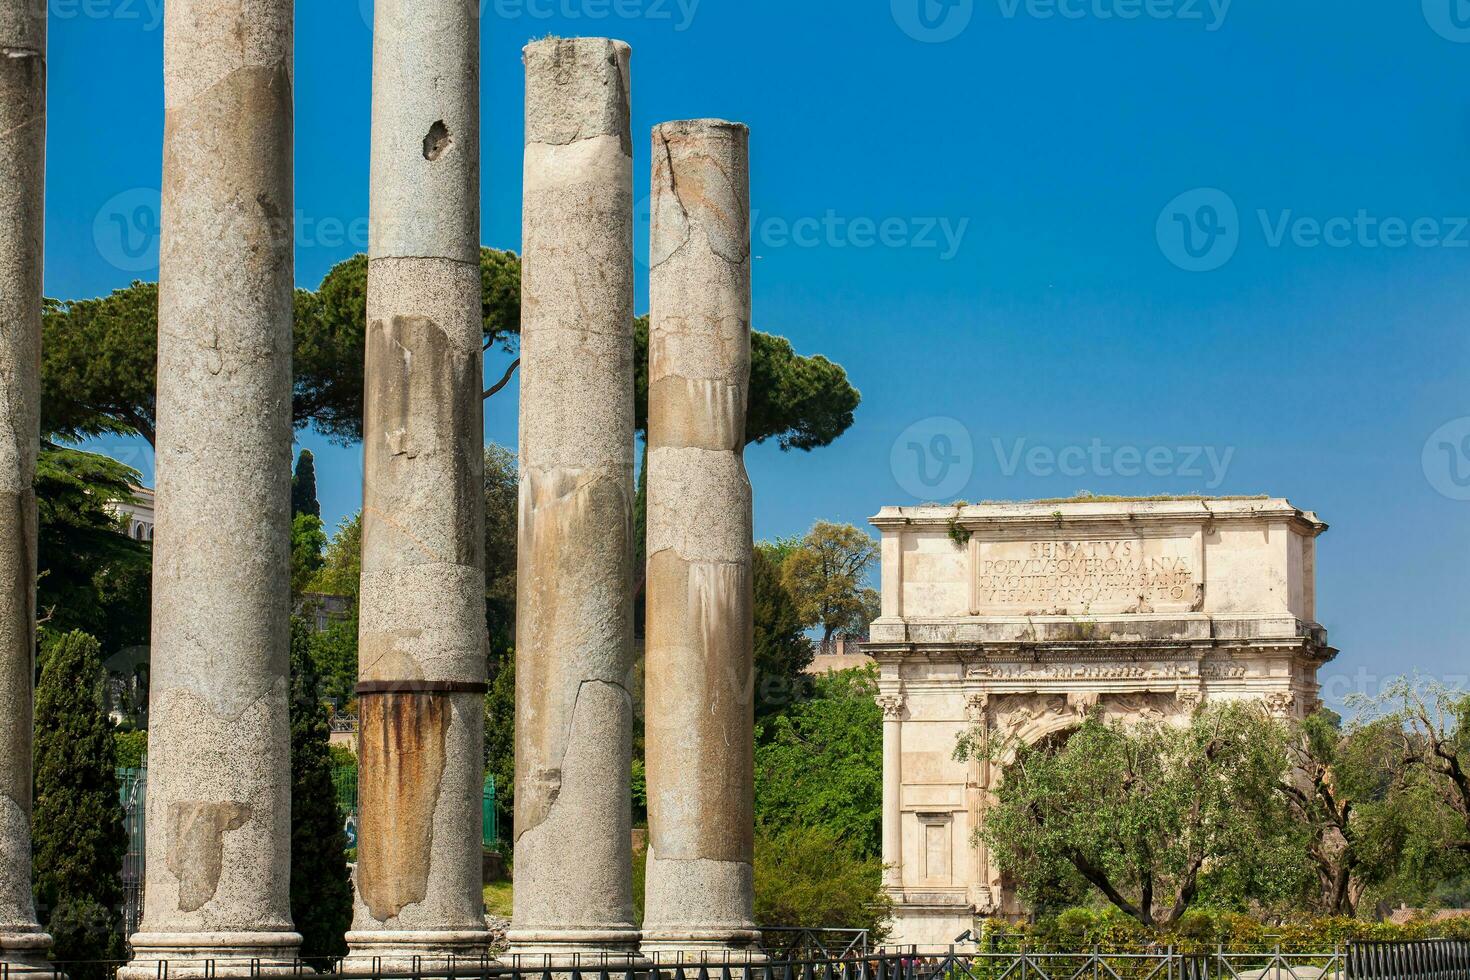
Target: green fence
(344,780)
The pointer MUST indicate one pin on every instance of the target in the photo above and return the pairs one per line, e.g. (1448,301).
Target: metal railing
(1435,959)
(795,943)
(1425,960)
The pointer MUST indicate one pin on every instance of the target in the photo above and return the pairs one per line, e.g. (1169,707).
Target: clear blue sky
(1100,224)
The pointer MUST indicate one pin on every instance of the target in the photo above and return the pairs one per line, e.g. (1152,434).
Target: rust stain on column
(402,752)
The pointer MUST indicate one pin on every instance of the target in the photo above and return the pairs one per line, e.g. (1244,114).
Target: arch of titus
(1021,618)
(219,807)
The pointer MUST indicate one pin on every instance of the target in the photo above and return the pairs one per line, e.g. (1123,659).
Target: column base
(667,947)
(425,952)
(567,949)
(23,953)
(201,955)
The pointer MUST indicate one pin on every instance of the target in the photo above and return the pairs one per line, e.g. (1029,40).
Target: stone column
(699,663)
(977,791)
(574,622)
(22,164)
(219,783)
(892,705)
(422,642)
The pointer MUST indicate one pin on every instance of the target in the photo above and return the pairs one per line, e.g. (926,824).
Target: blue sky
(1127,246)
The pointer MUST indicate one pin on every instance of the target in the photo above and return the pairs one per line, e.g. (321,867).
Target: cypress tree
(321,892)
(77,825)
(303,486)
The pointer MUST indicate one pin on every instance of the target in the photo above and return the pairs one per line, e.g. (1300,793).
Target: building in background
(138,513)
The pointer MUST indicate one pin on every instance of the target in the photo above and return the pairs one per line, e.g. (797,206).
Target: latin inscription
(1128,574)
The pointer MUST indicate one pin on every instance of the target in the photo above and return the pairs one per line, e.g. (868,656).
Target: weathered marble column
(574,623)
(422,641)
(22,165)
(892,705)
(219,779)
(699,662)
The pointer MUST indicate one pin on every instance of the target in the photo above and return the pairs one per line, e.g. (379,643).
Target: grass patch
(498,898)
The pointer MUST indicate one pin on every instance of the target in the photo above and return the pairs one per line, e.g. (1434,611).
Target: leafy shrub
(812,877)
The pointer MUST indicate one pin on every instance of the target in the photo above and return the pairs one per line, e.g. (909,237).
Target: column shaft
(892,791)
(219,806)
(574,642)
(699,674)
(422,641)
(22,165)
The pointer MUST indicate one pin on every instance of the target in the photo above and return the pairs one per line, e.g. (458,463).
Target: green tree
(1155,817)
(825,578)
(93,577)
(303,486)
(308,541)
(341,569)
(820,764)
(77,827)
(1427,725)
(1345,791)
(783,651)
(98,362)
(811,877)
(100,356)
(334,655)
(502,502)
(321,892)
(131,749)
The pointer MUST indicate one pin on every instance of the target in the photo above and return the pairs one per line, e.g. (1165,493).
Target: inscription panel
(1078,577)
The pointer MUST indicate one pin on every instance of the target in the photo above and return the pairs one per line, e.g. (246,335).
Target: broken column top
(567,79)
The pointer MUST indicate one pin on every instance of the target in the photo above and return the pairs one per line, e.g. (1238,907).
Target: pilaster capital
(892,705)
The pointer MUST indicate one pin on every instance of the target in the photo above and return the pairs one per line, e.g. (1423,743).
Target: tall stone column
(219,783)
(892,705)
(574,622)
(699,662)
(422,641)
(22,165)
